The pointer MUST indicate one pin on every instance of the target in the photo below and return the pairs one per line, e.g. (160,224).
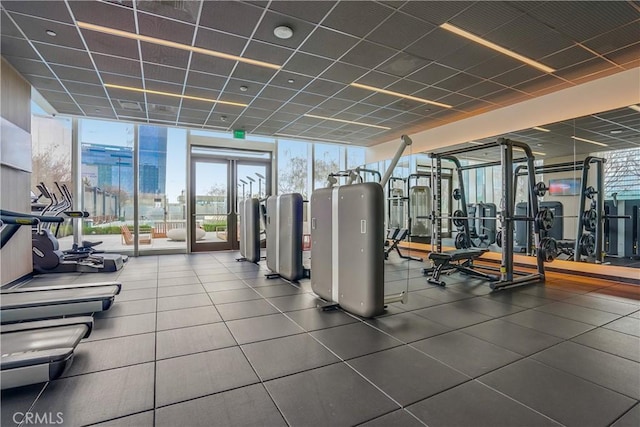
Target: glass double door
(218,185)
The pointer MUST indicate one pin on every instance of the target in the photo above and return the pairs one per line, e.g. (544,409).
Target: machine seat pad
(457,255)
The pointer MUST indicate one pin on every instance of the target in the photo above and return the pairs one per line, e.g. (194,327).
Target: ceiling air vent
(164,109)
(130,105)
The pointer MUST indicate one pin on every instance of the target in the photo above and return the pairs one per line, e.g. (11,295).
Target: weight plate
(590,192)
(457,221)
(590,219)
(499,238)
(457,194)
(540,189)
(588,245)
(462,241)
(545,219)
(548,248)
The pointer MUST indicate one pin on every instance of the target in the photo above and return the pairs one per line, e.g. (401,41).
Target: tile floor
(202,340)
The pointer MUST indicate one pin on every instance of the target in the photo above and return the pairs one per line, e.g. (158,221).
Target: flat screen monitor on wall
(564,187)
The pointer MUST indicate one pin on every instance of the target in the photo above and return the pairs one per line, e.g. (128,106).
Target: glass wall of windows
(294,164)
(326,159)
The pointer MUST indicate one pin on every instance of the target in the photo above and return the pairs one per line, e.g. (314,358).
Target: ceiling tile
(111,64)
(162,86)
(165,29)
(362,109)
(282,79)
(623,36)
(200,115)
(164,55)
(201,93)
(84,89)
(381,99)
(311,11)
(257,113)
(484,16)
(76,74)
(343,73)
(35,30)
(482,89)
(356,18)
(538,83)
(271,20)
(376,79)
(29,66)
(7,28)
(277,93)
(518,75)
(324,87)
(53,92)
(328,43)
(467,56)
(399,31)
(161,73)
(432,93)
(94,101)
(205,80)
(625,55)
(210,64)
(435,12)
(458,81)
(235,85)
(121,94)
(67,108)
(20,48)
(432,74)
(437,44)
(567,58)
(268,53)
(105,14)
(185,10)
(230,16)
(267,104)
(406,87)
(298,109)
(335,105)
(308,99)
(368,55)
(353,93)
(307,64)
(42,9)
(402,64)
(455,99)
(60,55)
(117,79)
(111,45)
(497,65)
(251,72)
(219,41)
(585,68)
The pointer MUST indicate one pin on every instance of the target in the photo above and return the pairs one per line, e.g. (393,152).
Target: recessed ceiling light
(290,81)
(243,88)
(346,121)
(223,118)
(51,33)
(400,95)
(174,95)
(540,129)
(589,141)
(635,108)
(486,43)
(283,32)
(616,131)
(161,42)
(475,143)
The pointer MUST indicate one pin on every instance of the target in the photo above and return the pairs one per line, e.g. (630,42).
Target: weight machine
(506,217)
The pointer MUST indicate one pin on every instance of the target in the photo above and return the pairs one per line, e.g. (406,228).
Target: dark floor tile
(603,304)
(294,302)
(406,374)
(326,397)
(178,281)
(194,339)
(262,328)
(122,326)
(549,324)
(517,298)
(613,342)
(399,418)
(143,419)
(284,356)
(415,302)
(234,295)
(630,419)
(513,337)
(260,282)
(172,291)
(471,286)
(246,406)
(354,340)
(581,314)
(542,291)
(566,398)
(100,355)
(100,396)
(187,317)
(605,369)
(183,301)
(627,325)
(408,327)
(128,308)
(487,307)
(468,354)
(196,375)
(136,294)
(441,294)
(313,319)
(474,404)
(245,309)
(452,316)
(16,401)
(278,290)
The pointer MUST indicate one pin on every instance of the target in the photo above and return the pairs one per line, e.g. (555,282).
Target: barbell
(540,189)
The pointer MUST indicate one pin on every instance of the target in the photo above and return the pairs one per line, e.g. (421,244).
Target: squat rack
(506,214)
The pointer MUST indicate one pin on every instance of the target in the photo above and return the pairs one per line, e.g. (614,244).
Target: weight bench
(444,261)
(395,236)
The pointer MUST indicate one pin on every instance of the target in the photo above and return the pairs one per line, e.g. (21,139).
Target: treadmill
(40,351)
(41,302)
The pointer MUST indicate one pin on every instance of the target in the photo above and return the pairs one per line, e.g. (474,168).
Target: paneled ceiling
(398,46)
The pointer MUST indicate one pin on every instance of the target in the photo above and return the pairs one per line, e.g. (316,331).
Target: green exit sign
(239,133)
